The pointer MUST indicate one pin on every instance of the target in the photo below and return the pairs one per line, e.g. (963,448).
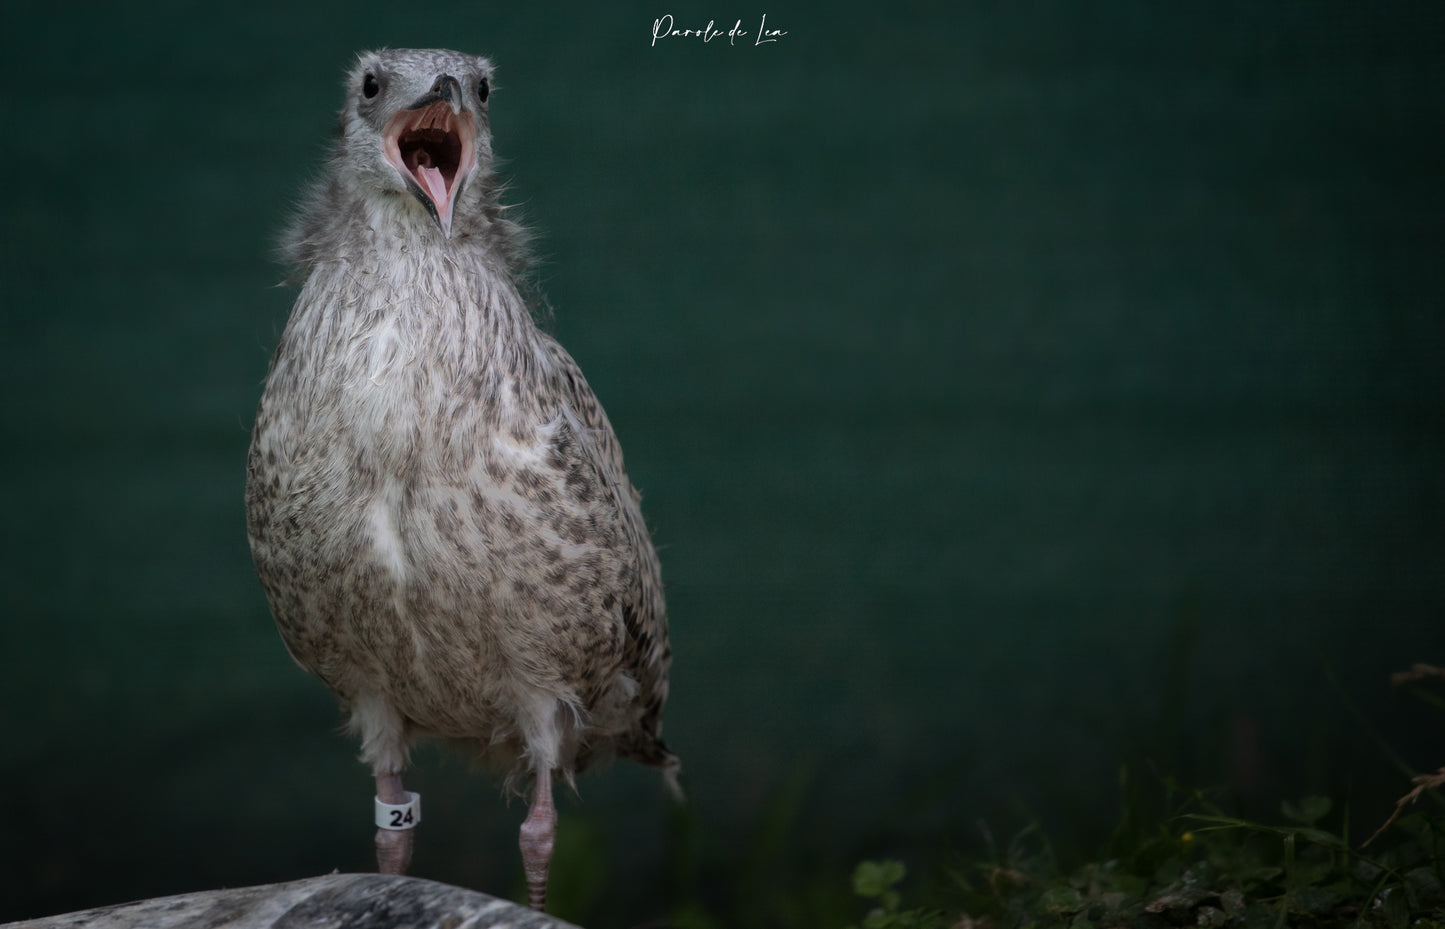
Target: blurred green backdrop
(1016,389)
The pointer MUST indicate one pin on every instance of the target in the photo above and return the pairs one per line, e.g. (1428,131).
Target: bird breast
(426,507)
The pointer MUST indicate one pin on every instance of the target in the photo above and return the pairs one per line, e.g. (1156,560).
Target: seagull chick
(436,503)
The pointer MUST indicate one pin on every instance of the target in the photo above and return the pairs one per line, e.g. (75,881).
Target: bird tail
(670,773)
(654,753)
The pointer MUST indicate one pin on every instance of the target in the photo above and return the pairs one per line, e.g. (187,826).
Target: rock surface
(333,901)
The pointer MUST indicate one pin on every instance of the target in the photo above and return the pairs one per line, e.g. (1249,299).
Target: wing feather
(647,654)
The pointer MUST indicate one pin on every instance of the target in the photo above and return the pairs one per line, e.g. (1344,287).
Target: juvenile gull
(436,503)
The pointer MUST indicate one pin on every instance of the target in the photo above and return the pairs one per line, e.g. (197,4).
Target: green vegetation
(1191,863)
(1176,856)
(877,880)
(1198,867)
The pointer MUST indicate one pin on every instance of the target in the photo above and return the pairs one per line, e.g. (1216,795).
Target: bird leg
(393,847)
(539,830)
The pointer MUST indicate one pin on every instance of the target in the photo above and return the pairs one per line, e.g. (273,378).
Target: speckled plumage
(437,504)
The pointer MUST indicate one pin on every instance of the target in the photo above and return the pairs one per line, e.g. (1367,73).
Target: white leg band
(399,816)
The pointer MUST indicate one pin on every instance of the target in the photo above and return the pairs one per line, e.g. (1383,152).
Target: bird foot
(397,815)
(393,850)
(538,835)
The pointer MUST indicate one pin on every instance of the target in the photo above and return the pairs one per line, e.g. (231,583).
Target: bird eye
(482,89)
(370,87)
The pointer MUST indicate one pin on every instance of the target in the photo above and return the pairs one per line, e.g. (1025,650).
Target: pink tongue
(434,184)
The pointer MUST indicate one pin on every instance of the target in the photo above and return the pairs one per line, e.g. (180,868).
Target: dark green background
(1016,389)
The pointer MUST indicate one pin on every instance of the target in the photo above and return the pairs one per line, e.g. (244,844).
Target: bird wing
(647,654)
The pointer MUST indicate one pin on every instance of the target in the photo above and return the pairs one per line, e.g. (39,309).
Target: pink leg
(393,848)
(539,830)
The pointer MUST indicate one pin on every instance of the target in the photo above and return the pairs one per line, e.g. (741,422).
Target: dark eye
(482,90)
(370,87)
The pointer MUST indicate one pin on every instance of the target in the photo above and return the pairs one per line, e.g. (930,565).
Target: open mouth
(432,148)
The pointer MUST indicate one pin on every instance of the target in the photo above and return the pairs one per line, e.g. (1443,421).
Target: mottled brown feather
(436,502)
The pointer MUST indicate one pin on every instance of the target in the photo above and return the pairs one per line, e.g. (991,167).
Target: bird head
(415,127)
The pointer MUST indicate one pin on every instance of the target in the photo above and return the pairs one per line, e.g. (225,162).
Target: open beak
(432,146)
